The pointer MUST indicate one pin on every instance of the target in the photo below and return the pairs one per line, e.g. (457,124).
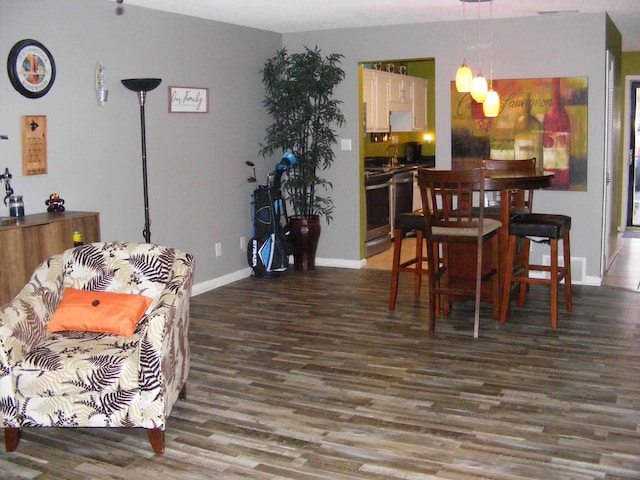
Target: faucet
(392,160)
(6,178)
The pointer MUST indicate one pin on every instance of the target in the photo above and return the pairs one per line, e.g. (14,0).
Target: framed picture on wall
(544,118)
(188,100)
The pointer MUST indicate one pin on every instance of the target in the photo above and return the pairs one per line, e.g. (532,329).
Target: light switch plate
(345,144)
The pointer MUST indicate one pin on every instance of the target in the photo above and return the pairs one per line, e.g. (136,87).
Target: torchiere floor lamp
(142,86)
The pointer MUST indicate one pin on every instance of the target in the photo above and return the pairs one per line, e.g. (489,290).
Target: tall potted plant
(299,98)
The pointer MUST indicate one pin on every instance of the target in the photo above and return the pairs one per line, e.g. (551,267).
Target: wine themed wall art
(544,118)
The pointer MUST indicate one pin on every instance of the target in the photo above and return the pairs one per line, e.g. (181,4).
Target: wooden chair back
(521,200)
(453,215)
(445,195)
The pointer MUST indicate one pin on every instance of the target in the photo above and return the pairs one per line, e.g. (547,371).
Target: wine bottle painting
(544,118)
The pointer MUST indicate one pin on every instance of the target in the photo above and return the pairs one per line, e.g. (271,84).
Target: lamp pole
(142,86)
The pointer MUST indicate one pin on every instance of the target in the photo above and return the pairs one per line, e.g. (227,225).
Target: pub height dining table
(462,267)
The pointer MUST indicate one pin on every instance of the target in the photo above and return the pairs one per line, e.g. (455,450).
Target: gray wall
(548,46)
(197,177)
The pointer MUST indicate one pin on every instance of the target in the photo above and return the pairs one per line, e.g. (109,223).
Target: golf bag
(269,249)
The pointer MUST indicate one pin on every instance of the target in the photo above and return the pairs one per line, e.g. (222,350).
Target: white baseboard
(578,272)
(340,263)
(214,283)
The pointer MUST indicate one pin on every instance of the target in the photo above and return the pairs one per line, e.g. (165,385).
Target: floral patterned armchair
(88,379)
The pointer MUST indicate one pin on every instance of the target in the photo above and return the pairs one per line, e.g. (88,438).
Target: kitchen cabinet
(30,240)
(368,100)
(419,103)
(415,118)
(394,102)
(400,92)
(375,93)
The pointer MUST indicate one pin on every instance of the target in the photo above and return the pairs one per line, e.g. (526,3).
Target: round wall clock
(31,68)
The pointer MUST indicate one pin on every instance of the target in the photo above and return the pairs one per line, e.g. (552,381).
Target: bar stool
(549,229)
(403,224)
(456,240)
(521,200)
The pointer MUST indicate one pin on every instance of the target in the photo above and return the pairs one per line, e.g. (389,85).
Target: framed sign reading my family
(544,118)
(188,100)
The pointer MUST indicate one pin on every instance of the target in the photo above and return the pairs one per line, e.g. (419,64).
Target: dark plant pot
(306,232)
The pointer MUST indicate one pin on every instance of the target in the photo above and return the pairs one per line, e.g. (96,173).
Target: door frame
(628,80)
(608,212)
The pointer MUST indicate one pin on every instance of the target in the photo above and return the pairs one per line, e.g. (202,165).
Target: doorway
(393,127)
(633,202)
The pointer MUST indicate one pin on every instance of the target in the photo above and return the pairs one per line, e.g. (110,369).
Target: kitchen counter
(381,164)
(391,169)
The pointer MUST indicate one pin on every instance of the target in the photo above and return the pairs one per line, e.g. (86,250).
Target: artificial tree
(299,98)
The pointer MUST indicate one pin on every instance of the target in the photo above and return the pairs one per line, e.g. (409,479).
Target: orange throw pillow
(101,312)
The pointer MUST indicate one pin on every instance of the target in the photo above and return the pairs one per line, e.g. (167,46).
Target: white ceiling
(286,16)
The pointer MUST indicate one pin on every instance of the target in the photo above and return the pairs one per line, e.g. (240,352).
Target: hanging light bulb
(491,105)
(479,83)
(463,78)
(479,88)
(464,75)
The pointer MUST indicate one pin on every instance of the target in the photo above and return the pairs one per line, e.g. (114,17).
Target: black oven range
(377,185)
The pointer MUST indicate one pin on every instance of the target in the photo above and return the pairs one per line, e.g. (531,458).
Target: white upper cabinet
(400,97)
(396,102)
(375,94)
(419,103)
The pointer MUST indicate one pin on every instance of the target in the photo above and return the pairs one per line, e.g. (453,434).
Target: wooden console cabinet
(28,241)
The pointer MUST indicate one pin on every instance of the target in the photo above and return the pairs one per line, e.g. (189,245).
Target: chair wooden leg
(476,311)
(431,321)
(568,298)
(11,438)
(445,302)
(156,438)
(183,392)
(506,286)
(434,302)
(417,283)
(495,281)
(553,243)
(395,273)
(430,261)
(524,286)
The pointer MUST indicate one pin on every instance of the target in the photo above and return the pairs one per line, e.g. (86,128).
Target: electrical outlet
(218,249)
(243,243)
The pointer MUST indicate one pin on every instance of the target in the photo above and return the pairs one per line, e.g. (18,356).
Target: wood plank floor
(308,376)
(625,269)
(623,273)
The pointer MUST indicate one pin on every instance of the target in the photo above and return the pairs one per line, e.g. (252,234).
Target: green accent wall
(422,68)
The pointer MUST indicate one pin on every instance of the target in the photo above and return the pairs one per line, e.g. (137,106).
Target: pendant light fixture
(491,105)
(479,84)
(464,75)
